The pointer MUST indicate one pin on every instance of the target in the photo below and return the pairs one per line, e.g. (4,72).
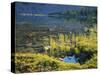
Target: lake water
(66,24)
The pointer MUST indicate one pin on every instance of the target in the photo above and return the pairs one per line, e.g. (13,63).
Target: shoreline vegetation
(83,46)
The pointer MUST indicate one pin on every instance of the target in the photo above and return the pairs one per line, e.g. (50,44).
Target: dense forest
(48,48)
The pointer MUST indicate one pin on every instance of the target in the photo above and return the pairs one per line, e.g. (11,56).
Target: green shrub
(28,62)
